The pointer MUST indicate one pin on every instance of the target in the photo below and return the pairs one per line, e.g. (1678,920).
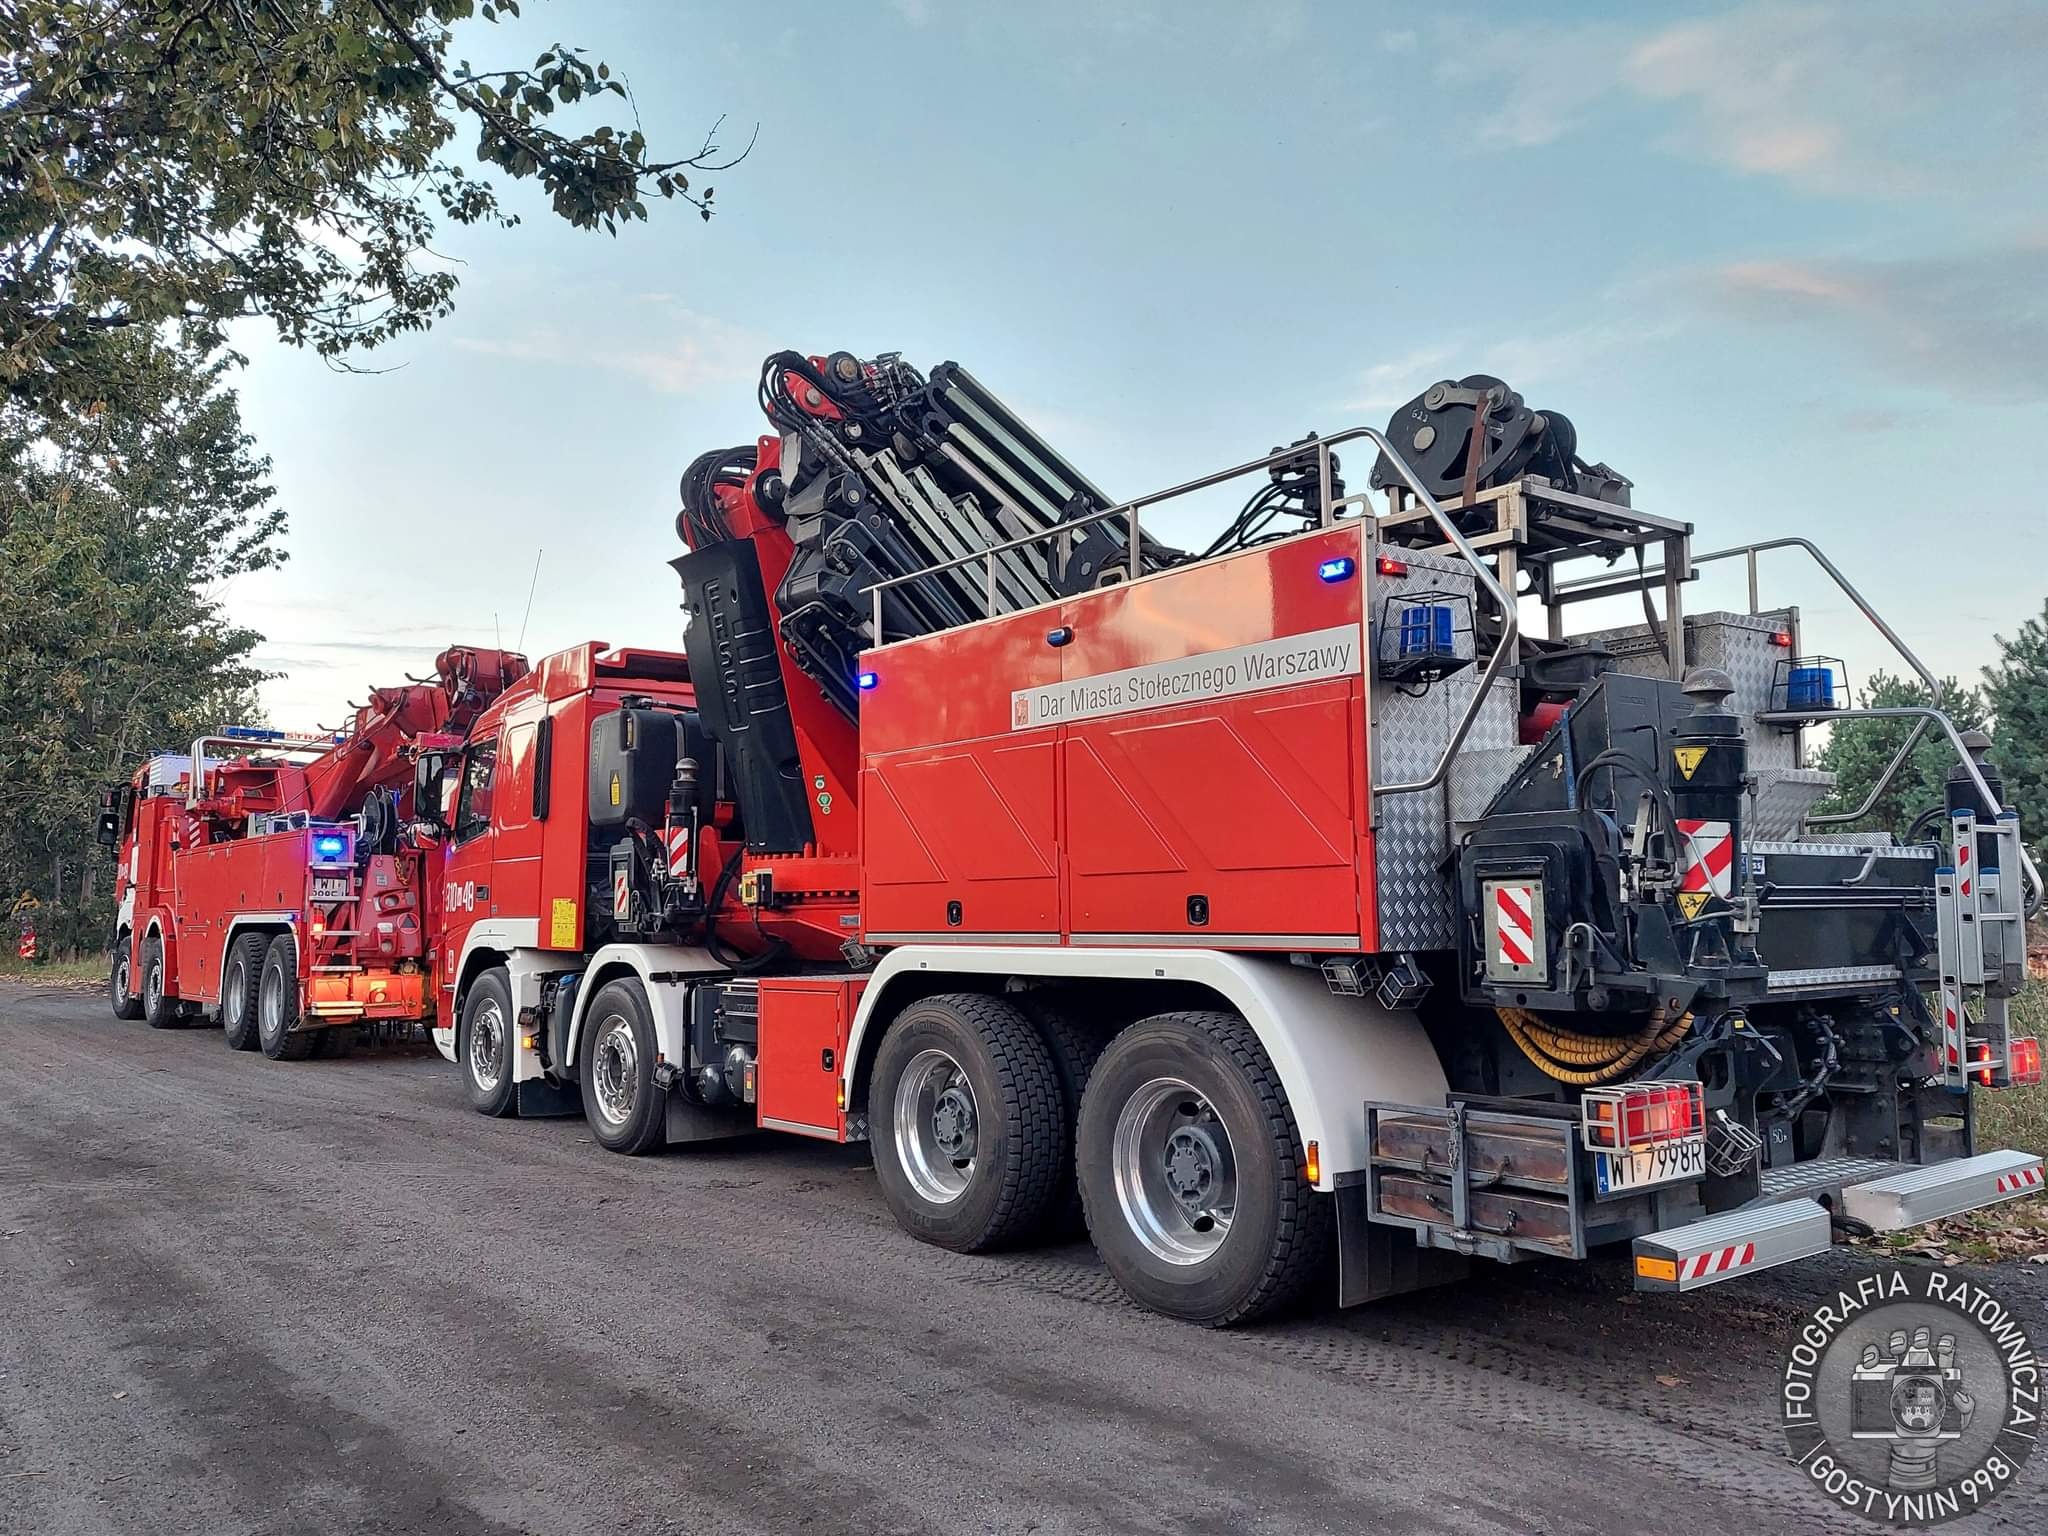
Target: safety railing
(1127,512)
(1923,714)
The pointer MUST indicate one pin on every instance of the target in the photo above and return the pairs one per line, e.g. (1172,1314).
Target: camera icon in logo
(1910,1394)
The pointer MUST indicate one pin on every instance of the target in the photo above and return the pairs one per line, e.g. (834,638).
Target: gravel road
(249,1297)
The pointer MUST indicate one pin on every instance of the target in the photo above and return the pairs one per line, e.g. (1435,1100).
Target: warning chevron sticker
(1709,862)
(1514,924)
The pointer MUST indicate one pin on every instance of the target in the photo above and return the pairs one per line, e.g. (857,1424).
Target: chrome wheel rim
(152,987)
(237,999)
(270,1003)
(121,975)
(938,1127)
(486,1035)
(1176,1173)
(615,1070)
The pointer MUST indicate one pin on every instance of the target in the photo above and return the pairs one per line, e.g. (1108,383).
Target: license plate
(330,887)
(1668,1162)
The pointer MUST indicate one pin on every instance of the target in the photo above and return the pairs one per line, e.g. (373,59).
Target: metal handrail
(1925,713)
(1750,552)
(1128,511)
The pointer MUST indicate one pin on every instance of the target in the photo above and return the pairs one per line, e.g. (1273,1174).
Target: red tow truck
(276,880)
(1242,904)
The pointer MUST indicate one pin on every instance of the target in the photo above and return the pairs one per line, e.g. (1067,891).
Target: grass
(55,973)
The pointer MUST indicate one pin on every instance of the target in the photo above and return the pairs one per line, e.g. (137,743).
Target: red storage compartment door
(970,823)
(956,804)
(1246,806)
(802,1036)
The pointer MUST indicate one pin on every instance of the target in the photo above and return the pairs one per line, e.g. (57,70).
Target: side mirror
(426,789)
(115,801)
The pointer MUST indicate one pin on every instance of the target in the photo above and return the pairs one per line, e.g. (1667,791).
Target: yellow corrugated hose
(1583,1060)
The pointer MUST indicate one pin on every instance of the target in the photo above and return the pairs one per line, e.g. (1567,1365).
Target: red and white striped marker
(1709,856)
(1514,936)
(678,841)
(1719,1261)
(2020,1180)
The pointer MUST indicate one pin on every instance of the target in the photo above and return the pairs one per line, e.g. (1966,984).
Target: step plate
(1722,1247)
(1943,1189)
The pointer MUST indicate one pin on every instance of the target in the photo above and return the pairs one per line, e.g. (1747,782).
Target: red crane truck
(275,879)
(1242,902)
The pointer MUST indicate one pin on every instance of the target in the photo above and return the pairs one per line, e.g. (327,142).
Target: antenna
(520,644)
(497,634)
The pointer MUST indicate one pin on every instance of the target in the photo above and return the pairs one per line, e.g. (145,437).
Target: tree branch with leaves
(193,163)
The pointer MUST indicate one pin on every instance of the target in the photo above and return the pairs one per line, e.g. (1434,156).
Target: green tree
(119,523)
(2016,686)
(1857,752)
(192,162)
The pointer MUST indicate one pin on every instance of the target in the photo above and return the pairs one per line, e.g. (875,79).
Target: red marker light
(1387,565)
(1782,639)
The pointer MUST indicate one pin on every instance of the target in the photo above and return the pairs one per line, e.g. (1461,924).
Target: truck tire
(158,1011)
(615,1058)
(484,1044)
(240,983)
(967,1122)
(1074,1040)
(1191,1170)
(126,1004)
(277,1004)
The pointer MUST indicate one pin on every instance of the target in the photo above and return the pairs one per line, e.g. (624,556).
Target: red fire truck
(275,880)
(1245,901)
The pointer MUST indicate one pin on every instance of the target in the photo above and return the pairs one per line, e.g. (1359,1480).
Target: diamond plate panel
(1740,645)
(1783,797)
(1412,840)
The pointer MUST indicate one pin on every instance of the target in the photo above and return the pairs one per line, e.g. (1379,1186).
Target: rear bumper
(1742,1242)
(350,996)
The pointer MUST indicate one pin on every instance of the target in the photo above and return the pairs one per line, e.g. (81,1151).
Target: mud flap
(539,1099)
(693,1122)
(1375,1261)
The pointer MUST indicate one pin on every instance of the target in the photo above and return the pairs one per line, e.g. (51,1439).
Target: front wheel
(126,1004)
(483,1044)
(1191,1171)
(158,1010)
(616,1056)
(967,1122)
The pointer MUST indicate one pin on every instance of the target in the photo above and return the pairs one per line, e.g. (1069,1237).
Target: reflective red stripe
(1722,1260)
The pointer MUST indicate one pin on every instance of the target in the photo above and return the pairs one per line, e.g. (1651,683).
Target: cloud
(1527,86)
(1829,97)
(1528,362)
(1971,325)
(701,353)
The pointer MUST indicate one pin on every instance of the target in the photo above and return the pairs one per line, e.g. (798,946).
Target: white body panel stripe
(1331,1053)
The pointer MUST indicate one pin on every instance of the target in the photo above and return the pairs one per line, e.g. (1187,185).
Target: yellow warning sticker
(1693,903)
(562,924)
(1689,759)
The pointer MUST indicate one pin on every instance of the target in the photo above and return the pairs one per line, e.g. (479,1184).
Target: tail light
(2023,1061)
(1626,1116)
(1981,1065)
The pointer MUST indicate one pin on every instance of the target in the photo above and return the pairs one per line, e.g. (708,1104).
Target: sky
(1785,266)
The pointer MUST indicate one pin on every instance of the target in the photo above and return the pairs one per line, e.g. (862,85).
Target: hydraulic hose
(1584,1060)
